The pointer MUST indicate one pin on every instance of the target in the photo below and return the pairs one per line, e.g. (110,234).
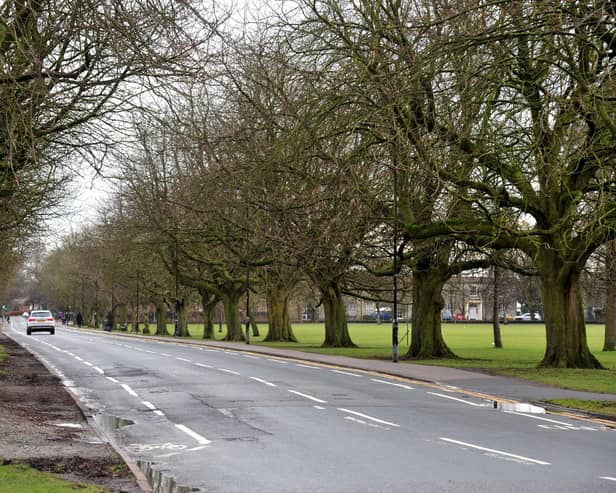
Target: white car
(527,316)
(40,320)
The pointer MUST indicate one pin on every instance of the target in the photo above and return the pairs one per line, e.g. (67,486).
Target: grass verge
(606,408)
(19,478)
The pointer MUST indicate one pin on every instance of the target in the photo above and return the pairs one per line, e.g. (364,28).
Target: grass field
(18,478)
(524,345)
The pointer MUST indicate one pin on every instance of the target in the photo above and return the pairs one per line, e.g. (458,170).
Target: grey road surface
(208,419)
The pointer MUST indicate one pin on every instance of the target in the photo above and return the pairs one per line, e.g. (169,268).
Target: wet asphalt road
(227,421)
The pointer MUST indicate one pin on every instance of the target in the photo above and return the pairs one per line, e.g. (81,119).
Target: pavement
(478,383)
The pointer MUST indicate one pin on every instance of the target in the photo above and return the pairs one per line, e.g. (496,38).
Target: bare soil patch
(35,410)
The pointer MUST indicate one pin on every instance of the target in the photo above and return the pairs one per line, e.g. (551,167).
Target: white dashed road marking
(200,440)
(129,390)
(498,452)
(321,401)
(260,380)
(346,373)
(456,399)
(401,385)
(372,418)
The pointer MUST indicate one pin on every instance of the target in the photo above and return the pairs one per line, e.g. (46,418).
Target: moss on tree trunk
(566,345)
(231,301)
(278,315)
(182,328)
(336,327)
(161,317)
(209,302)
(426,337)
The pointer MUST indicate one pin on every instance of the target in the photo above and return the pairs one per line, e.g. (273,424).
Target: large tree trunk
(336,328)
(426,337)
(182,328)
(161,317)
(209,302)
(566,345)
(609,341)
(231,301)
(278,316)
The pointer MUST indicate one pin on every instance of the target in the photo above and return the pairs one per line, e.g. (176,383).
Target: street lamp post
(394,326)
(138,301)
(247,303)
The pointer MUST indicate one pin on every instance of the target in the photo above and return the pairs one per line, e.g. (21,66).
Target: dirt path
(38,421)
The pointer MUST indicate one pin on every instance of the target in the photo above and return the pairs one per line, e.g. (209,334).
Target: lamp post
(247,303)
(394,326)
(176,331)
(138,301)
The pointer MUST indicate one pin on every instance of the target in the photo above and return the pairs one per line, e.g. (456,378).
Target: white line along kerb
(200,440)
(500,452)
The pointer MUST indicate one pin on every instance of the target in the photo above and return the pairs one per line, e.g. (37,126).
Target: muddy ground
(37,426)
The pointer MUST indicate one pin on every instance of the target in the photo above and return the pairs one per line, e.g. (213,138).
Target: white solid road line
(456,399)
(260,380)
(609,478)
(401,385)
(321,401)
(200,440)
(494,451)
(372,418)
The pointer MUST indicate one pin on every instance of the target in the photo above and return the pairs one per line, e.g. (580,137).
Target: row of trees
(338,136)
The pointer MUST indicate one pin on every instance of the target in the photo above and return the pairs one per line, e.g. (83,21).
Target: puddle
(518,407)
(109,426)
(160,481)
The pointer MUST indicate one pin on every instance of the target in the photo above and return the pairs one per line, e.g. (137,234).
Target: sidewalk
(491,386)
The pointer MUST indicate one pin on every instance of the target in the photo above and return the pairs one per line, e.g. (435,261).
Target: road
(216,420)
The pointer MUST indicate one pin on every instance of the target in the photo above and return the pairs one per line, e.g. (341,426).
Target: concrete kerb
(362,366)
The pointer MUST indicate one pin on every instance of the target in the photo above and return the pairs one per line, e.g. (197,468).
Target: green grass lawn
(607,408)
(524,345)
(18,478)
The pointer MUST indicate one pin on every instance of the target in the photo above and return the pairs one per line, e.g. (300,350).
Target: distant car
(384,316)
(40,320)
(527,316)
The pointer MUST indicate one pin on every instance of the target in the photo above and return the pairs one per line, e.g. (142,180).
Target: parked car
(40,320)
(527,316)
(25,314)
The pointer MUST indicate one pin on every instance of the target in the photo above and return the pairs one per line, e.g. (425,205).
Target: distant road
(226,421)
